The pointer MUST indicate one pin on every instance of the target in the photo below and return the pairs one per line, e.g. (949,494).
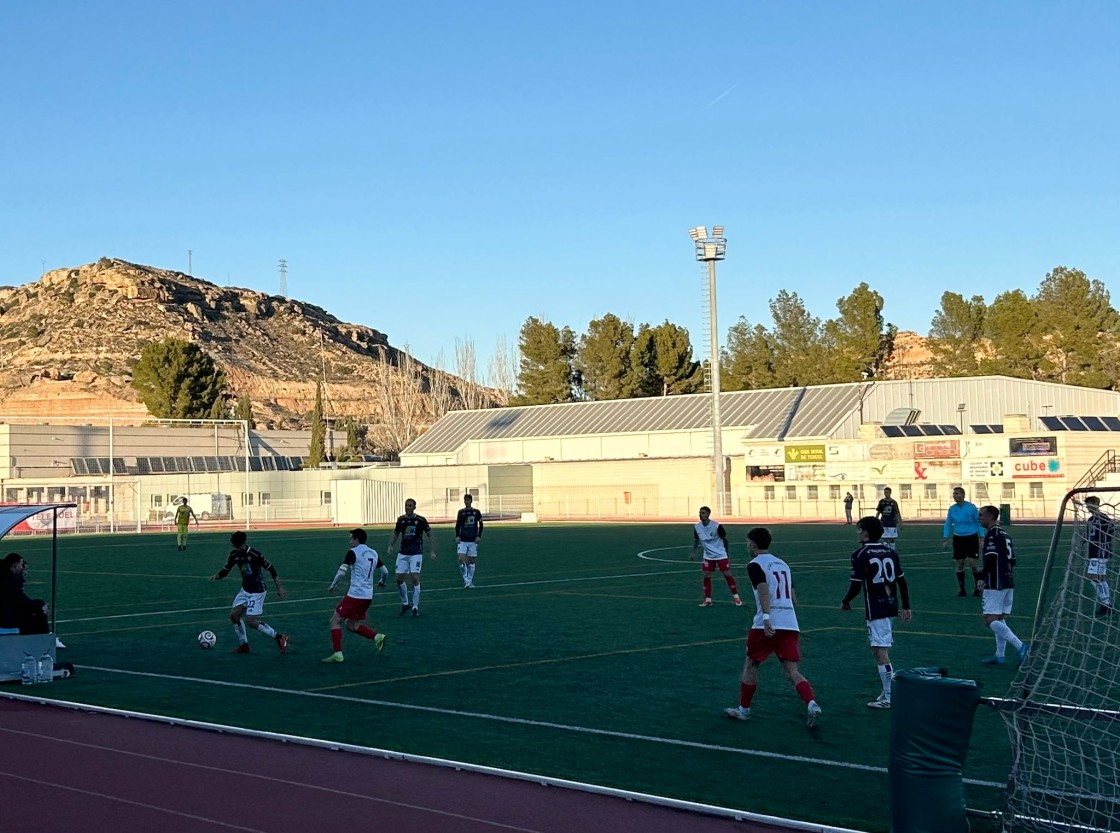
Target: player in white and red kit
(362,564)
(774,629)
(710,537)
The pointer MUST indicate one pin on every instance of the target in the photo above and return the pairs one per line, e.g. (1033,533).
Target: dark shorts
(965,546)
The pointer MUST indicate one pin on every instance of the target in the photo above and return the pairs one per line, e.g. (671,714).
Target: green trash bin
(1005,514)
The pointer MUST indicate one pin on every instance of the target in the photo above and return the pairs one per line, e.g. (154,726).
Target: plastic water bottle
(27,670)
(46,668)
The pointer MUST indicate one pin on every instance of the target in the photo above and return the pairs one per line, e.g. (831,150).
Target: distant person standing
(877,571)
(361,563)
(468,535)
(848,501)
(1099,531)
(183,515)
(710,537)
(411,530)
(963,522)
(998,584)
(774,629)
(248,604)
(890,516)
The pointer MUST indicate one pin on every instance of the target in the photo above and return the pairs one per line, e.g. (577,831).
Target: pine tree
(955,335)
(1078,318)
(603,359)
(318,452)
(662,361)
(176,379)
(244,409)
(747,363)
(859,342)
(546,373)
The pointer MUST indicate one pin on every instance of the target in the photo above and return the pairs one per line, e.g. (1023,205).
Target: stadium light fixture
(710,249)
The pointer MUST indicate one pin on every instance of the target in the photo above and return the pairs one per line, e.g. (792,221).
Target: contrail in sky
(721,95)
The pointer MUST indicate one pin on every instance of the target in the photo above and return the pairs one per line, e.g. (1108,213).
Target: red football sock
(731,582)
(336,638)
(707,587)
(746,694)
(366,632)
(805,690)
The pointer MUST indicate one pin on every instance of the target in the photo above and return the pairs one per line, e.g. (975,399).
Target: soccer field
(581,654)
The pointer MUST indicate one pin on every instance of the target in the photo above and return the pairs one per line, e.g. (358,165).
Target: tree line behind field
(1067,332)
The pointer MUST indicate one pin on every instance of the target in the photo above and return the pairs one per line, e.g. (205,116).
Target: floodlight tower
(709,249)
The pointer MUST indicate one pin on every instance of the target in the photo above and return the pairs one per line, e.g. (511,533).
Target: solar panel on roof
(103,465)
(118,466)
(78,465)
(155,464)
(1094,423)
(1052,423)
(911,430)
(143,465)
(268,464)
(1073,423)
(931,430)
(198,463)
(1112,423)
(281,463)
(891,430)
(255,464)
(981,429)
(239,464)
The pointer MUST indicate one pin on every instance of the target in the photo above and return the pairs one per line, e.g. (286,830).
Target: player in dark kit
(1099,530)
(998,584)
(249,601)
(411,529)
(891,517)
(877,571)
(468,535)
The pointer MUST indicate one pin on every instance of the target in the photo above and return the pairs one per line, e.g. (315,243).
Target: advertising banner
(805,453)
(1033,446)
(937,449)
(1035,469)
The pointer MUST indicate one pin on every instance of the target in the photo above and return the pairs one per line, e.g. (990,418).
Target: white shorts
(890,533)
(1098,567)
(254,602)
(997,602)
(409,564)
(879,633)
(467,548)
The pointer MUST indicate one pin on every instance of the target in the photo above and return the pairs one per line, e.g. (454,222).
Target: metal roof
(767,414)
(827,411)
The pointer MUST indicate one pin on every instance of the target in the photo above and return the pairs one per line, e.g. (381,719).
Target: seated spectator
(17,610)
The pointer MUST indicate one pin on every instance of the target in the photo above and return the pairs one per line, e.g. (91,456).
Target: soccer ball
(207,639)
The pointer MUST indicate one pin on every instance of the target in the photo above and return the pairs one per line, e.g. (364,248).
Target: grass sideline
(582,654)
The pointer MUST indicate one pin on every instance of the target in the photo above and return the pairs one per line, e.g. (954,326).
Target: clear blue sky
(443,170)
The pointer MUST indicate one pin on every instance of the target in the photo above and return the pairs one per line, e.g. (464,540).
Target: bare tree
(442,399)
(399,403)
(502,372)
(466,368)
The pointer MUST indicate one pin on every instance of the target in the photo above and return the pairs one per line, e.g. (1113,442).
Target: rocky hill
(69,341)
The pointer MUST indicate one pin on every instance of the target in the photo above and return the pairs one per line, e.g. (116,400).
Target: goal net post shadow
(1063,711)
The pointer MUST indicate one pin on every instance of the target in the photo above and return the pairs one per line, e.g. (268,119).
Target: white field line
(519,721)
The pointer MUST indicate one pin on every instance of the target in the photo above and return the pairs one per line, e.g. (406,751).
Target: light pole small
(709,249)
(960,415)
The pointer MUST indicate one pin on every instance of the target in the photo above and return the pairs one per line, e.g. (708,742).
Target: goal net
(1063,714)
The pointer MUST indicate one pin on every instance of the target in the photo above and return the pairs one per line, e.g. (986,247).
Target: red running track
(67,770)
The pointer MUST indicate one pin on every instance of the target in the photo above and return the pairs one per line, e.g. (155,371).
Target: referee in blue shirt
(963,525)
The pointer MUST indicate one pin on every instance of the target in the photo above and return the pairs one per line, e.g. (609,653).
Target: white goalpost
(1063,712)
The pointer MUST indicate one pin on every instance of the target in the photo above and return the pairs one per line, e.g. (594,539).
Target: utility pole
(190,265)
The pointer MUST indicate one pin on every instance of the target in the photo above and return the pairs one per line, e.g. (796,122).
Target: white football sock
(266,629)
(416,596)
(1001,629)
(239,629)
(885,672)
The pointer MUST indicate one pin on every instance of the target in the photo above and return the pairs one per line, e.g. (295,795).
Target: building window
(791,493)
(157,501)
(904,491)
(931,490)
(453,495)
(1036,488)
(1008,491)
(812,493)
(325,498)
(834,493)
(266,498)
(767,492)
(246,499)
(980,491)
